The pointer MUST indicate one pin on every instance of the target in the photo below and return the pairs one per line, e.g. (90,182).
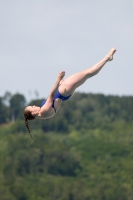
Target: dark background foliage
(83,153)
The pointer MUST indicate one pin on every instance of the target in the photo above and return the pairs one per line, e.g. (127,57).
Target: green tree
(17,104)
(3,112)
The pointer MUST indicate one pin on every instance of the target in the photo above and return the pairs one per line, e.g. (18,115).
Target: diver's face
(33,109)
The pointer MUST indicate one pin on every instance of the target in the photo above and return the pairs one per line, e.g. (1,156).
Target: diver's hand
(61,75)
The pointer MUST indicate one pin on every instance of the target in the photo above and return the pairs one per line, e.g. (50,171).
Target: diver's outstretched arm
(54,89)
(56,85)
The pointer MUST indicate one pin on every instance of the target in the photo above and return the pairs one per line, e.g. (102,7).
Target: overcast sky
(39,38)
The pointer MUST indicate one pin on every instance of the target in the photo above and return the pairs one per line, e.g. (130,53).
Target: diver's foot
(109,56)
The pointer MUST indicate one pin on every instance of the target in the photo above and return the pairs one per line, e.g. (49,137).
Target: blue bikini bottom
(57,95)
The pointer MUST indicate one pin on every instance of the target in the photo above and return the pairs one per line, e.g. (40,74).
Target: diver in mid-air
(62,91)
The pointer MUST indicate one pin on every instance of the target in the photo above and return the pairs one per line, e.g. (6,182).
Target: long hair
(28,116)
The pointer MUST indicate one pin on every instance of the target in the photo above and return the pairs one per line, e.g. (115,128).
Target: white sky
(39,38)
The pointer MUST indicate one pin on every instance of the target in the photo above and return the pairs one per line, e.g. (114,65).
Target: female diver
(62,90)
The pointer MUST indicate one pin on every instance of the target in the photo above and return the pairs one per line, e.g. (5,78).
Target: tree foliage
(84,153)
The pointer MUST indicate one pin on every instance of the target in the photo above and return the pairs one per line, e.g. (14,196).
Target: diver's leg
(69,85)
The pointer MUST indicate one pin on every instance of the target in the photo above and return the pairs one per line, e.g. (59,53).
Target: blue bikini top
(57,95)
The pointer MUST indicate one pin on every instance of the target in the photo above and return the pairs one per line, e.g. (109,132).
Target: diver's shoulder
(46,114)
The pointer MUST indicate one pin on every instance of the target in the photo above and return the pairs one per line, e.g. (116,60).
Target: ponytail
(28,116)
(27,125)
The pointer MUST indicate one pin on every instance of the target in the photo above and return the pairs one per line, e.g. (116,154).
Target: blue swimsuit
(57,95)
